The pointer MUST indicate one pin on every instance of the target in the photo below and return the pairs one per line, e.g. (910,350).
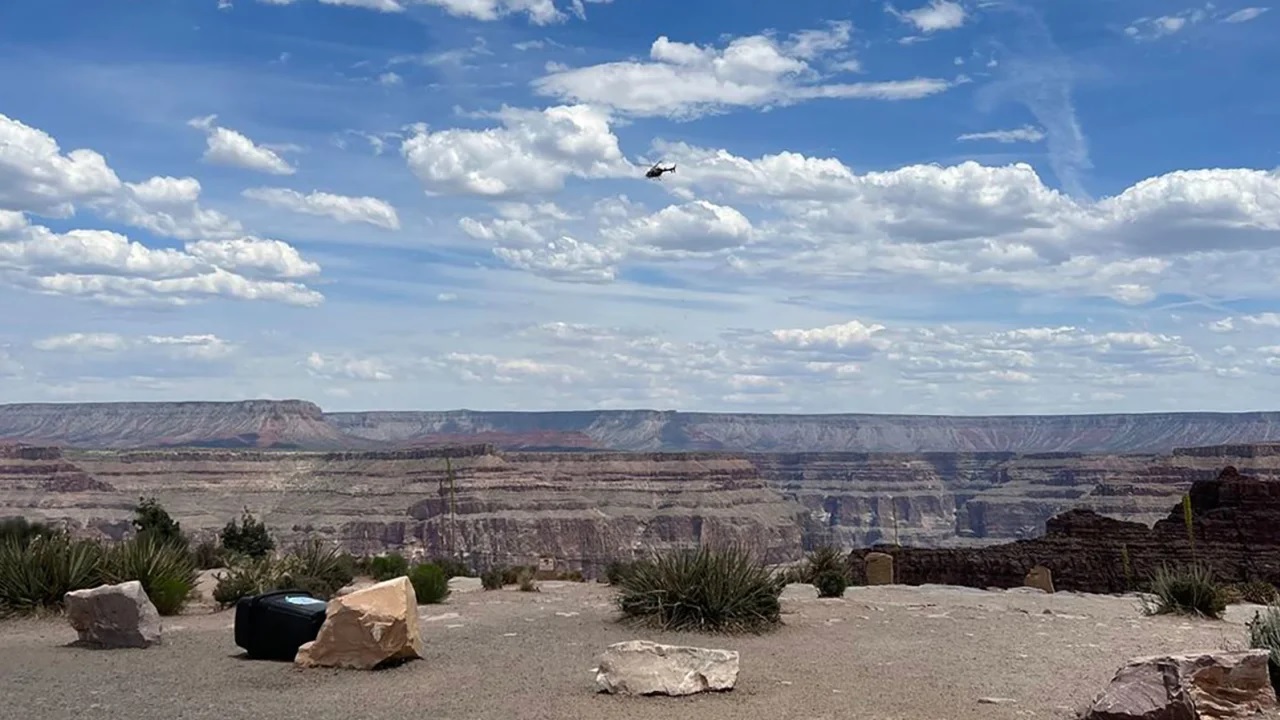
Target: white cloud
(346,367)
(203,347)
(168,207)
(233,149)
(539,12)
(685,80)
(390,79)
(253,255)
(532,152)
(1245,15)
(1154,28)
(1026,133)
(343,208)
(937,15)
(36,176)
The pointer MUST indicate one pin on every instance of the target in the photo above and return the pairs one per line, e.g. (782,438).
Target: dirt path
(885,653)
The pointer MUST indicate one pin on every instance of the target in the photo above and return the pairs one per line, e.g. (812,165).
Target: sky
(925,206)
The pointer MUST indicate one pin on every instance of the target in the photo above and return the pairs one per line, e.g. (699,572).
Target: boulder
(367,628)
(114,616)
(465,584)
(1039,577)
(1197,686)
(640,667)
(879,568)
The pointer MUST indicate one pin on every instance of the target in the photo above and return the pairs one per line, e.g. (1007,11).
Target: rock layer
(297,424)
(1235,522)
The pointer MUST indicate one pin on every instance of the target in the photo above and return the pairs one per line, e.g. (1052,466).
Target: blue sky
(930,206)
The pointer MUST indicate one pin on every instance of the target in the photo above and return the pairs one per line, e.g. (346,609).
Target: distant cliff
(300,425)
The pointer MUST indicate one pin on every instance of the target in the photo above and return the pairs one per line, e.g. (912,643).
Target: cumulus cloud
(538,12)
(1154,28)
(343,208)
(36,176)
(347,367)
(531,152)
(200,347)
(228,147)
(685,80)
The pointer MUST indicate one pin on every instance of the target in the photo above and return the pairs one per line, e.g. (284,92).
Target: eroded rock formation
(1235,523)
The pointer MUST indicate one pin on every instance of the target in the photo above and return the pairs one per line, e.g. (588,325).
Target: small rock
(640,667)
(509,634)
(465,585)
(437,618)
(114,616)
(995,701)
(568,614)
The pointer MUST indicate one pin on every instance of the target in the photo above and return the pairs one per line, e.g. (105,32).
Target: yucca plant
(1189,590)
(708,590)
(491,579)
(36,573)
(247,576)
(166,570)
(1264,634)
(316,567)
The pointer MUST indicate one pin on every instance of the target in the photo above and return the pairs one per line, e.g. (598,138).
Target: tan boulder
(1196,686)
(879,568)
(367,628)
(641,667)
(1039,577)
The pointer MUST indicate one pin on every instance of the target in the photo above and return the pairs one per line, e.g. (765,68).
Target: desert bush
(151,520)
(385,567)
(1264,634)
(1189,590)
(1258,592)
(512,575)
(452,567)
(208,555)
(709,590)
(245,577)
(571,576)
(314,566)
(617,570)
(831,584)
(165,569)
(492,579)
(36,573)
(249,537)
(527,581)
(429,583)
(23,530)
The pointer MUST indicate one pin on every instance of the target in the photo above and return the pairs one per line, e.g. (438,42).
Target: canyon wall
(582,506)
(1236,530)
(296,424)
(579,509)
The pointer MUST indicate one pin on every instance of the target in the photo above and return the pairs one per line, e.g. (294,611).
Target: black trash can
(272,626)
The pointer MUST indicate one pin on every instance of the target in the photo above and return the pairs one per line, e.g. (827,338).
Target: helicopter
(656,171)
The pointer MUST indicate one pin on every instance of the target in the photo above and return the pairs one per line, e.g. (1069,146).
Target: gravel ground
(883,653)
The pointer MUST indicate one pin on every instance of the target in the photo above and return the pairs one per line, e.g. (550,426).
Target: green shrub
(207,555)
(151,520)
(24,531)
(527,581)
(452,567)
(512,575)
(831,583)
(492,579)
(167,571)
(429,583)
(250,537)
(385,567)
(616,570)
(36,573)
(1189,590)
(705,590)
(316,567)
(249,576)
(1264,634)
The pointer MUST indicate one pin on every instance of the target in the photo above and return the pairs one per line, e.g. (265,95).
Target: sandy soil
(884,653)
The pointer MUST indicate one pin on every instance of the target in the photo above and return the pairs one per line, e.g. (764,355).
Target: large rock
(879,568)
(367,628)
(114,616)
(640,667)
(1197,686)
